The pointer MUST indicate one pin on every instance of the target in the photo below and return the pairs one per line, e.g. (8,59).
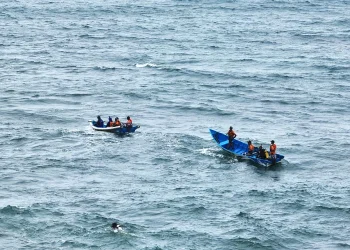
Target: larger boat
(239,149)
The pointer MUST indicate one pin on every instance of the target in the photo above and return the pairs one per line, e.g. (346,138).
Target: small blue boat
(119,129)
(240,149)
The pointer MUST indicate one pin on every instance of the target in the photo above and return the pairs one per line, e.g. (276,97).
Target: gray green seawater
(272,69)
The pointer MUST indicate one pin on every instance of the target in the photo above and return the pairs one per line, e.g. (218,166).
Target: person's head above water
(116,118)
(115,226)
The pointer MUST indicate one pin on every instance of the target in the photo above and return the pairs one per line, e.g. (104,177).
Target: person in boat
(110,122)
(250,148)
(231,135)
(262,152)
(273,148)
(116,227)
(99,122)
(128,123)
(116,122)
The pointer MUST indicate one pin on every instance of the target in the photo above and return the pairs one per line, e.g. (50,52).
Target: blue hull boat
(239,149)
(119,130)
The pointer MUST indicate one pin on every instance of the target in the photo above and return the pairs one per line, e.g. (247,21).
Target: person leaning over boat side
(99,122)
(273,148)
(231,135)
(250,148)
(116,122)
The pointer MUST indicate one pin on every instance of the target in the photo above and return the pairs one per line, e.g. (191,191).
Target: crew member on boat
(231,135)
(250,148)
(99,122)
(110,122)
(273,148)
(128,121)
(116,122)
(263,154)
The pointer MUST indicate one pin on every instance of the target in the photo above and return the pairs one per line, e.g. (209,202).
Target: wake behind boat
(239,149)
(122,129)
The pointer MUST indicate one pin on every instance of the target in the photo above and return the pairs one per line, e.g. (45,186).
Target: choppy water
(272,69)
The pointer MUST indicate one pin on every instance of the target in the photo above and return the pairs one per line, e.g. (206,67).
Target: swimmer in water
(116,227)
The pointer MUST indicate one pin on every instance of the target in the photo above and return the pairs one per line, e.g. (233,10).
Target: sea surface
(272,69)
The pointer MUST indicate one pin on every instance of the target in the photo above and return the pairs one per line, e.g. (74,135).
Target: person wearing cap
(99,122)
(250,148)
(231,135)
(116,122)
(273,148)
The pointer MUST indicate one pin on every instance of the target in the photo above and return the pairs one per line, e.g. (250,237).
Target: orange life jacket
(129,121)
(273,148)
(231,133)
(116,124)
(251,147)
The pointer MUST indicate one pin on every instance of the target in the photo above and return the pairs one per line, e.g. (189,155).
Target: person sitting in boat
(231,135)
(116,122)
(99,122)
(128,123)
(262,152)
(273,148)
(250,148)
(110,122)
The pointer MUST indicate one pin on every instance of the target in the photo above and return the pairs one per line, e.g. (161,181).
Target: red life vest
(231,133)
(273,148)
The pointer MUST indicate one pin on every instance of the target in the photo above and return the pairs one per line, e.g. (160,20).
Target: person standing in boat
(231,135)
(273,148)
(250,148)
(99,122)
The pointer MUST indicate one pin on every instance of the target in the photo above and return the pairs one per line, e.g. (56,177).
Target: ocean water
(271,69)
